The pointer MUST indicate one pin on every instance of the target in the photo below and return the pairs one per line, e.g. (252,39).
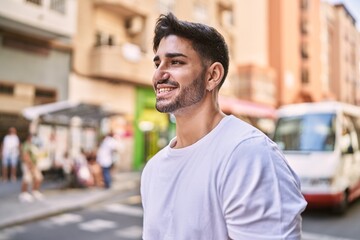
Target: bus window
(310,132)
(348,141)
(356,122)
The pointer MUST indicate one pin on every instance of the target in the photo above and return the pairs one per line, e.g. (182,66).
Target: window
(37,2)
(102,39)
(111,40)
(26,44)
(304,26)
(225,15)
(6,88)
(304,50)
(348,141)
(58,6)
(43,95)
(304,4)
(304,75)
(98,39)
(356,122)
(310,132)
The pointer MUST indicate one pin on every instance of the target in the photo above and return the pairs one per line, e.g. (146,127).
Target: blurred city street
(58,200)
(117,214)
(77,89)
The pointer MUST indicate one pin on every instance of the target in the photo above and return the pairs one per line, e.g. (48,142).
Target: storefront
(152,128)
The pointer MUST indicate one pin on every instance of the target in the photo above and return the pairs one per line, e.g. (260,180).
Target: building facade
(100,52)
(35,56)
(112,67)
(113,63)
(276,54)
(341,53)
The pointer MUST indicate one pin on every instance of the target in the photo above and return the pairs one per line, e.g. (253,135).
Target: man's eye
(176,62)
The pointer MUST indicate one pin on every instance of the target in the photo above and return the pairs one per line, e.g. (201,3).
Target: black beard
(188,96)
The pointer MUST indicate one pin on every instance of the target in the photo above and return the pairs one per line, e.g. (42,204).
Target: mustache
(166,81)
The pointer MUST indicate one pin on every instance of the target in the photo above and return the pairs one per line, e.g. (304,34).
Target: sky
(353,6)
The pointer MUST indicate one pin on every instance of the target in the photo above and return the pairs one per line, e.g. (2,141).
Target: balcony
(47,18)
(127,8)
(123,62)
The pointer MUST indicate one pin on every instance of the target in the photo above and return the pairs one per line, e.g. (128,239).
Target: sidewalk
(57,200)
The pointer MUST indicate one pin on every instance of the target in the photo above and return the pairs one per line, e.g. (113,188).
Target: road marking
(97,225)
(314,236)
(8,233)
(124,209)
(133,232)
(66,219)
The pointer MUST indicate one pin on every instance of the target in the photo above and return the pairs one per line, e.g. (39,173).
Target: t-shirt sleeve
(260,194)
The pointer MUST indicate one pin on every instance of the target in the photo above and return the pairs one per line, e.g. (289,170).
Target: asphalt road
(120,218)
(117,218)
(332,226)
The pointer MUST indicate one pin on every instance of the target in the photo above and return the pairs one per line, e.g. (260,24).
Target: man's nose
(161,74)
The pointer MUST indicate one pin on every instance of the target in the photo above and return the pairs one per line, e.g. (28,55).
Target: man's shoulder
(238,130)
(157,157)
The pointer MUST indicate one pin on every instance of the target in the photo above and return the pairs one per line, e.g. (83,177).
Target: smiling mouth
(165,90)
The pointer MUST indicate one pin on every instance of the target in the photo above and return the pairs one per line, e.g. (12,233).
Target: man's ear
(214,76)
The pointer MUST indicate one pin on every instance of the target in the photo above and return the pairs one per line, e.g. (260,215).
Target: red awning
(245,108)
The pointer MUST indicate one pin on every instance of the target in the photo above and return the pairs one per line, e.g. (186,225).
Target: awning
(62,112)
(245,108)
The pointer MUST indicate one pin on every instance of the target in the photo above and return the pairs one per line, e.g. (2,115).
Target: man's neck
(190,128)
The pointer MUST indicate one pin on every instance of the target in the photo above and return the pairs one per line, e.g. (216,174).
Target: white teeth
(162,90)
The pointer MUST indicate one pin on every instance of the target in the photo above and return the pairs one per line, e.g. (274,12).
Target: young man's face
(179,78)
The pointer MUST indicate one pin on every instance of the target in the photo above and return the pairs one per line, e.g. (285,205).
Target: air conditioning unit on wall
(135,25)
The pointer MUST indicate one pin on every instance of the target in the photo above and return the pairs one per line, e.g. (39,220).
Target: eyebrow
(170,55)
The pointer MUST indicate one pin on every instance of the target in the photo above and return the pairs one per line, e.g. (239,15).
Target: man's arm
(260,194)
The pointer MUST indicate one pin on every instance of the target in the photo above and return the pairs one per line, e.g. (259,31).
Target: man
(10,154)
(105,157)
(31,173)
(219,178)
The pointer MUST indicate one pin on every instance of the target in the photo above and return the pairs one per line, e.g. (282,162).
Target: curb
(50,211)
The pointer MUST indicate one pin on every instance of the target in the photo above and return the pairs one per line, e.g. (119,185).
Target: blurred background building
(35,56)
(99,52)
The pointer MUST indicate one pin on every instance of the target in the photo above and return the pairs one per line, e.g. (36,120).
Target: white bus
(321,142)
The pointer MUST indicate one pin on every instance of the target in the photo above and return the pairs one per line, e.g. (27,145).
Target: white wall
(41,16)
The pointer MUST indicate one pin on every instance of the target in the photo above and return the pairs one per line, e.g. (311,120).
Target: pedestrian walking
(32,176)
(219,178)
(10,154)
(105,155)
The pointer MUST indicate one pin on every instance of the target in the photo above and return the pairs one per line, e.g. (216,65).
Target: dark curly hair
(206,40)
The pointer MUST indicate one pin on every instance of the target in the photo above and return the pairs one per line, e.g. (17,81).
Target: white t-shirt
(105,151)
(233,183)
(10,145)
